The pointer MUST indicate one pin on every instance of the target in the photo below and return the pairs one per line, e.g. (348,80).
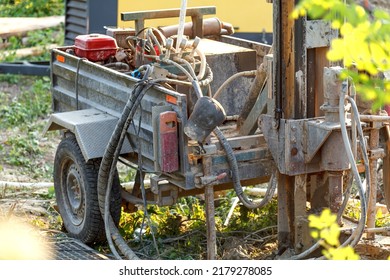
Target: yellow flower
(325,220)
(341,253)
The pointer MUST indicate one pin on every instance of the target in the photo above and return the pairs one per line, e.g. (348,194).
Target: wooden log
(20,26)
(28,51)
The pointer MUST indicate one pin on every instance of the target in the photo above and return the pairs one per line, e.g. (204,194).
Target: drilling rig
(202,111)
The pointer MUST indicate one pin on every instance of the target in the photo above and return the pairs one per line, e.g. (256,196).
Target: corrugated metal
(88,16)
(76,19)
(67,248)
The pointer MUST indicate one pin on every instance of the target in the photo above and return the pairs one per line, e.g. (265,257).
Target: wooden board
(19,26)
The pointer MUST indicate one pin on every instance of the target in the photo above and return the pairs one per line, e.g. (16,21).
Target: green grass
(38,38)
(32,103)
(31,8)
(180,230)
(22,120)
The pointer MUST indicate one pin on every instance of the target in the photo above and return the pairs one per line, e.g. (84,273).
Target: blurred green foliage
(363,46)
(31,8)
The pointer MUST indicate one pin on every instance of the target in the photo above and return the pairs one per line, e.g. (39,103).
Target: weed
(31,8)
(10,79)
(40,38)
(180,229)
(26,108)
(23,149)
(21,116)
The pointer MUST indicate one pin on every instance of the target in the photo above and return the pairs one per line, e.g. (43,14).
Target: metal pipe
(373,118)
(353,123)
(355,237)
(374,143)
(368,230)
(211,26)
(231,79)
(210,220)
(182,18)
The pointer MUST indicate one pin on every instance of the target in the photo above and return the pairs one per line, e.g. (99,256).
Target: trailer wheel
(75,183)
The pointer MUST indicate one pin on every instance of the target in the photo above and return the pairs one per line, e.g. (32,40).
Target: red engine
(95,47)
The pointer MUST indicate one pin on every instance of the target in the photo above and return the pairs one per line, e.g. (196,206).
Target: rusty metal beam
(210,213)
(290,80)
(210,220)
(283,87)
(386,167)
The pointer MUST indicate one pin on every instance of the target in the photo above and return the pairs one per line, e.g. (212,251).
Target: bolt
(294,151)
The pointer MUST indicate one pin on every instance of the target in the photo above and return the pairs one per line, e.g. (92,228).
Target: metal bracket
(166,193)
(41,68)
(304,146)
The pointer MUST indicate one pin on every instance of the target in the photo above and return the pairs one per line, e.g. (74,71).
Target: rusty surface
(210,213)
(226,60)
(257,85)
(211,26)
(335,190)
(386,168)
(302,234)
(371,210)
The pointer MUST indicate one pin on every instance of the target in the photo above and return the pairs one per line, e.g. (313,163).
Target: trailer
(201,111)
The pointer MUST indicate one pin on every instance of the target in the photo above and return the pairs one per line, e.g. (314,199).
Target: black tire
(75,183)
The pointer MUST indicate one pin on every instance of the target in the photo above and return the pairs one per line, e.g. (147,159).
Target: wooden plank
(20,26)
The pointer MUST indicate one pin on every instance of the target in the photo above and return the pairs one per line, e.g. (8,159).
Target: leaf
(331,234)
(325,220)
(342,253)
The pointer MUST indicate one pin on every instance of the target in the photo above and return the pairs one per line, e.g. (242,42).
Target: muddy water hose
(235,174)
(108,164)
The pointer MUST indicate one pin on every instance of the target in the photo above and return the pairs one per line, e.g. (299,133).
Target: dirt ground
(383,4)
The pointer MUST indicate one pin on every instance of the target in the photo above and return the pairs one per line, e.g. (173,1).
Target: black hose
(236,178)
(109,161)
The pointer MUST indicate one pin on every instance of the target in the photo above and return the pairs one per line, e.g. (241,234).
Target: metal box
(95,47)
